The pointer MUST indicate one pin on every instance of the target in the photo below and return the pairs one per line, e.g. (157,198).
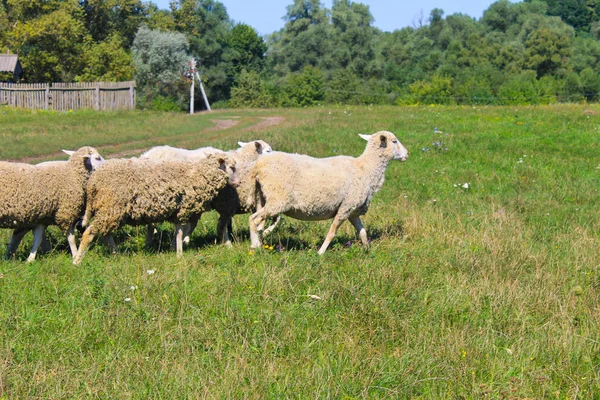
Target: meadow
(482,280)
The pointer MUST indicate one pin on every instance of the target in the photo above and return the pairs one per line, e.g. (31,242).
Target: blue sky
(266,15)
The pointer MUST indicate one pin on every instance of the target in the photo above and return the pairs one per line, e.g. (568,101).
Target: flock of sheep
(178,185)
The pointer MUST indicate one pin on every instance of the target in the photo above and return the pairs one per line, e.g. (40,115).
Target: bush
(249,91)
(438,90)
(519,90)
(305,88)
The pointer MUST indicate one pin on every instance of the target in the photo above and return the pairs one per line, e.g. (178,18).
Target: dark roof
(9,63)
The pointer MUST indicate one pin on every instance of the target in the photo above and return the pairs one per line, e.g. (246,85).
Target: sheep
(50,193)
(175,153)
(230,200)
(140,191)
(312,189)
(227,203)
(18,234)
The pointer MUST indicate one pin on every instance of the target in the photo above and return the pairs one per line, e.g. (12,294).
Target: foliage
(249,91)
(159,57)
(436,91)
(107,61)
(304,88)
(247,47)
(60,40)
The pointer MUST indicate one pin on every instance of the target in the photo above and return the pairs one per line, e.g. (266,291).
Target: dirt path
(219,125)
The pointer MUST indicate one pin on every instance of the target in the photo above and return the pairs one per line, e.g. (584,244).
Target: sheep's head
(227,164)
(92,160)
(257,146)
(387,144)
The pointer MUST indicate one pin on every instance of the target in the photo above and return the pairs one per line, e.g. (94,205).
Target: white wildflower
(133,287)
(465,185)
(127,299)
(150,272)
(314,297)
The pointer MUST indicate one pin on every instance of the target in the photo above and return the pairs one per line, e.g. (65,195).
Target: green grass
(487,292)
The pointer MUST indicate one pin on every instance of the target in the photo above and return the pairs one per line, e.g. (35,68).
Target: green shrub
(437,90)
(249,91)
(519,90)
(306,88)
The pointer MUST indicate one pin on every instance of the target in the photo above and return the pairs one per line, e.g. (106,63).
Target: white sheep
(50,193)
(312,189)
(140,191)
(174,153)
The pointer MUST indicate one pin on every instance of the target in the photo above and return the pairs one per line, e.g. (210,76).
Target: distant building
(10,65)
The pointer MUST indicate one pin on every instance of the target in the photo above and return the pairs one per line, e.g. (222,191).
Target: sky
(266,15)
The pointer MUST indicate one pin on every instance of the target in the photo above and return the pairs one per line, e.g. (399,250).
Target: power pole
(193,74)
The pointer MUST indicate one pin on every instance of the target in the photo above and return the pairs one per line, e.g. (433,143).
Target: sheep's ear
(87,162)
(258,147)
(242,144)
(222,164)
(383,140)
(366,137)
(69,152)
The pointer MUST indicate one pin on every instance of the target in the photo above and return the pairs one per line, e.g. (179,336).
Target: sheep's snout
(232,174)
(400,152)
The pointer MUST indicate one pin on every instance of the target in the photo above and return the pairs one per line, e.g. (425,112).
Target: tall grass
(490,290)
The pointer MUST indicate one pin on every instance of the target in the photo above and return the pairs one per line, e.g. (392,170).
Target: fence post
(47,97)
(97,99)
(132,95)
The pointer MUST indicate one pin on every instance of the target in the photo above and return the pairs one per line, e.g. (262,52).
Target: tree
(249,91)
(104,18)
(159,57)
(49,37)
(106,61)
(580,14)
(207,27)
(304,40)
(353,36)
(248,48)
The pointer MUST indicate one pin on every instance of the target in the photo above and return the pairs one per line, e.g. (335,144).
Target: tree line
(531,52)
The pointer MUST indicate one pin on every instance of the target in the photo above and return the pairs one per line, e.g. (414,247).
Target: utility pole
(193,74)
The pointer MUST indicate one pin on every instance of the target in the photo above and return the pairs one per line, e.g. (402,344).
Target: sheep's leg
(255,234)
(273,225)
(223,228)
(149,235)
(45,246)
(109,240)
(189,228)
(86,240)
(179,239)
(38,235)
(15,239)
(337,221)
(71,240)
(362,233)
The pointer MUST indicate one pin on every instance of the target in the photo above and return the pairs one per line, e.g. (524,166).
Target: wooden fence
(69,96)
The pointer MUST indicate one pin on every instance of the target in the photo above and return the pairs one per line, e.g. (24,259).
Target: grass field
(490,291)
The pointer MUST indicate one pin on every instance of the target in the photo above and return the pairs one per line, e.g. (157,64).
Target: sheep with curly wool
(35,196)
(230,200)
(311,189)
(137,191)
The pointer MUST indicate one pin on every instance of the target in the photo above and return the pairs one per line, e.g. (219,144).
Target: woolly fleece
(50,196)
(308,188)
(136,191)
